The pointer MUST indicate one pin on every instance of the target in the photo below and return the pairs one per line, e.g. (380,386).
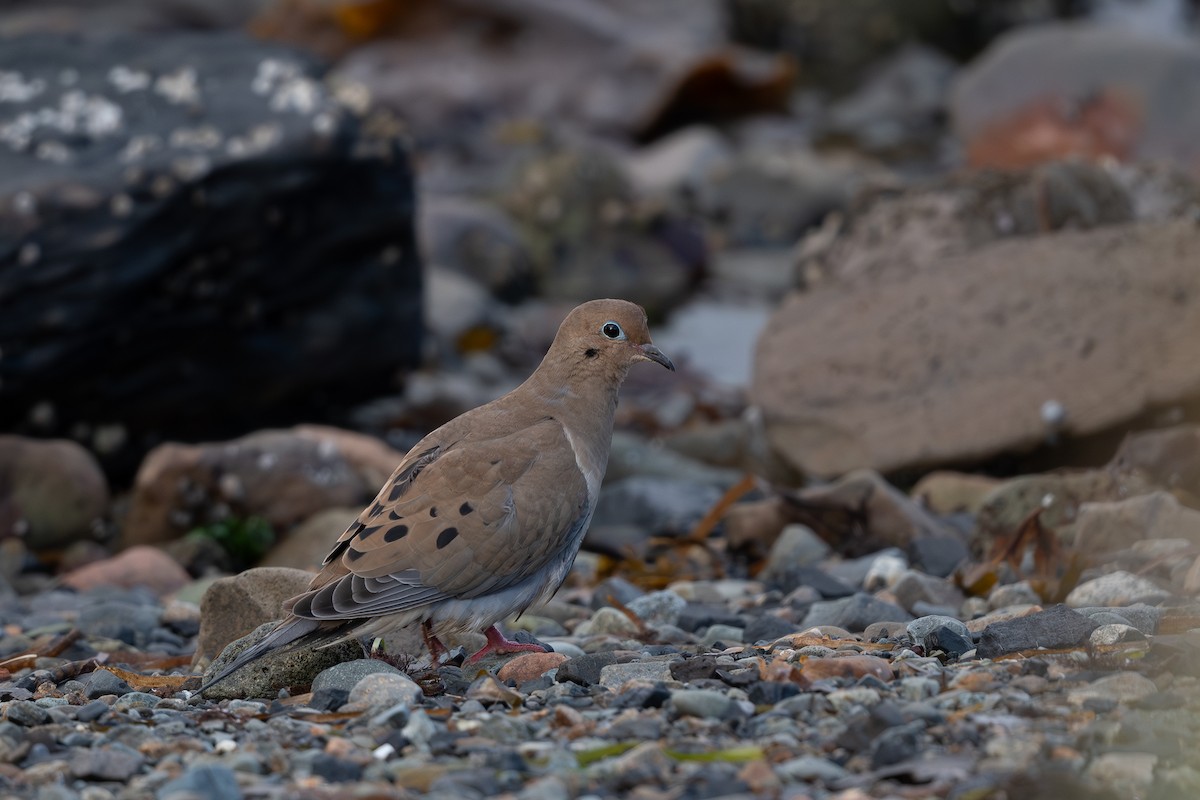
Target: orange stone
(529,666)
(138,566)
(856,666)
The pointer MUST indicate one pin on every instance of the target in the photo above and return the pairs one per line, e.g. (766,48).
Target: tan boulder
(233,607)
(987,351)
(282,476)
(51,491)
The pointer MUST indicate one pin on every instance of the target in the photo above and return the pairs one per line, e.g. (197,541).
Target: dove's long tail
(291,633)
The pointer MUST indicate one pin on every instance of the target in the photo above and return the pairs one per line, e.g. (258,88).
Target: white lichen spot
(14,88)
(225,746)
(202,137)
(54,152)
(162,186)
(140,146)
(29,254)
(1048,499)
(25,204)
(286,86)
(191,167)
(109,438)
(121,205)
(257,140)
(324,123)
(78,113)
(353,96)
(179,87)
(1054,414)
(126,80)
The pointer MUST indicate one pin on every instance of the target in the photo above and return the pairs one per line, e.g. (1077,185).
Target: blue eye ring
(612,330)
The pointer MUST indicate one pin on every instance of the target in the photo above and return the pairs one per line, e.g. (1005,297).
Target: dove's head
(609,335)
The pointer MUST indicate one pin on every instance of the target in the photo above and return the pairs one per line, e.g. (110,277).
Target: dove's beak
(652,353)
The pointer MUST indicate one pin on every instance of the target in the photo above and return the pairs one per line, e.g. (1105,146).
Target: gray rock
(796,548)
(274,671)
(615,588)
(114,619)
(767,627)
(102,682)
(382,690)
(202,782)
(1144,618)
(725,634)
(807,769)
(1123,687)
(854,613)
(613,676)
(921,627)
(220,174)
(937,555)
(705,703)
(26,713)
(114,762)
(915,587)
(346,675)
(1056,627)
(608,621)
(664,506)
(585,670)
(658,608)
(1115,634)
(1118,588)
(1013,594)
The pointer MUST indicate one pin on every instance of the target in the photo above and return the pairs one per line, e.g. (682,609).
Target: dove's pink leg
(436,648)
(498,645)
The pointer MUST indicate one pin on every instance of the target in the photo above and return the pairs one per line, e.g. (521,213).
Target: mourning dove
(484,516)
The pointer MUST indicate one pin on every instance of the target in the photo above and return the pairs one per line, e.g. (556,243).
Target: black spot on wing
(375,509)
(354,528)
(433,511)
(446,537)
(397,490)
(354,555)
(365,532)
(392,515)
(464,509)
(395,533)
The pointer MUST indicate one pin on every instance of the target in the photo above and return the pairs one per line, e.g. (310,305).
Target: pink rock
(137,566)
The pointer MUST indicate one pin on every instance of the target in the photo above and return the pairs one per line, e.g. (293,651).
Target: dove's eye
(612,330)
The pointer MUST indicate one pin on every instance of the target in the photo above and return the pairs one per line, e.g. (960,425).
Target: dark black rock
(617,589)
(585,670)
(696,668)
(696,616)
(195,222)
(335,770)
(111,763)
(949,641)
(27,713)
(1056,627)
(102,682)
(854,613)
(937,555)
(663,506)
(204,782)
(768,693)
(897,744)
(642,697)
(329,699)
(767,627)
(793,577)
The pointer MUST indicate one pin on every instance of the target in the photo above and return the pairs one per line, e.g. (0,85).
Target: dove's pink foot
(436,648)
(498,645)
